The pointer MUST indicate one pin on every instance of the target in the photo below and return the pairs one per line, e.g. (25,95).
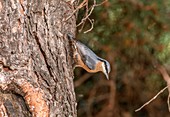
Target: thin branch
(168,102)
(92,8)
(166,77)
(88,12)
(101,3)
(161,91)
(164,73)
(92,24)
(84,3)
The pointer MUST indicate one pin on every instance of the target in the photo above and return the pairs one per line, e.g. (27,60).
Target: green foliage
(163,56)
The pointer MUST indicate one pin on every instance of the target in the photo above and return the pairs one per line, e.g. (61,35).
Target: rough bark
(36,75)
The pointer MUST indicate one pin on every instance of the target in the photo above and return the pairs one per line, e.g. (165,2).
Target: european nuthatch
(87,59)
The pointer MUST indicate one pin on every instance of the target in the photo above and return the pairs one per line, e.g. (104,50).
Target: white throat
(103,67)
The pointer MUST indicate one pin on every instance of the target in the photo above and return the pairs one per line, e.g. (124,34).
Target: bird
(84,57)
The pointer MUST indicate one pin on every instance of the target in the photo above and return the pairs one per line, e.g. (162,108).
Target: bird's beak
(107,76)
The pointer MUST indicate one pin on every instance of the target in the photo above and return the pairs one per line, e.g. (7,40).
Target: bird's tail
(72,41)
(70,36)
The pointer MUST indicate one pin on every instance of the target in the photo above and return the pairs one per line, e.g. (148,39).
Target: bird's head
(106,68)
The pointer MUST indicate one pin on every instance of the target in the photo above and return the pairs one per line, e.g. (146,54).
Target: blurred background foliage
(133,35)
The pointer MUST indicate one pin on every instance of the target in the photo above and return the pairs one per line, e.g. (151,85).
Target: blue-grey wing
(88,56)
(89,62)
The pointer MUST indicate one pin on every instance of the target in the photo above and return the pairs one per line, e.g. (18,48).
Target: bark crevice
(35,60)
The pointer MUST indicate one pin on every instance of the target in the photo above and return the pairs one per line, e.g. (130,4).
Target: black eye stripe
(104,64)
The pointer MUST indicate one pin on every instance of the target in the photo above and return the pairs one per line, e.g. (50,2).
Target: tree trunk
(36,75)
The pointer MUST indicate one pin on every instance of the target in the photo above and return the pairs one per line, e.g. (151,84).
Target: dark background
(134,36)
